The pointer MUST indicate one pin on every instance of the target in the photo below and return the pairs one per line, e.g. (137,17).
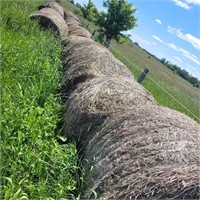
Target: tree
(163,61)
(72,1)
(78,5)
(89,11)
(118,18)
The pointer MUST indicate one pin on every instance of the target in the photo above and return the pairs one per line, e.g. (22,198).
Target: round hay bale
(150,152)
(94,100)
(72,21)
(48,17)
(77,30)
(68,15)
(54,6)
(84,59)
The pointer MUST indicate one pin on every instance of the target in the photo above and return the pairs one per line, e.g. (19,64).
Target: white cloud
(189,56)
(189,38)
(173,46)
(170,29)
(194,41)
(195,2)
(157,38)
(192,58)
(158,21)
(185,53)
(182,4)
(186,4)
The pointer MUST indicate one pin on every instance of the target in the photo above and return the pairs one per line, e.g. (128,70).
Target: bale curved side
(70,15)
(149,152)
(55,6)
(85,59)
(93,101)
(48,17)
(77,30)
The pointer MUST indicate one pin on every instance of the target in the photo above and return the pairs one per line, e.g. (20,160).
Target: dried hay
(48,17)
(68,15)
(94,100)
(77,30)
(84,59)
(72,21)
(54,6)
(148,152)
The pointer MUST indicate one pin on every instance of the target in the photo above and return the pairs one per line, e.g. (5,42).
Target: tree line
(181,72)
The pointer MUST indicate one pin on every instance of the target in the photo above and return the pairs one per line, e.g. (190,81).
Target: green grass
(33,164)
(168,89)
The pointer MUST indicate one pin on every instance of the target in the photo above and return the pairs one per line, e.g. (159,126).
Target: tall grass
(33,164)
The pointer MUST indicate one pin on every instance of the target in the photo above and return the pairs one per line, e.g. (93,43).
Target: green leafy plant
(90,12)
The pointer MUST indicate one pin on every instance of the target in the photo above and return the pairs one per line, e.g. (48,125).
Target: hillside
(168,89)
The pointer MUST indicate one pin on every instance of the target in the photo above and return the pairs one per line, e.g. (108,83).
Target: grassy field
(33,164)
(168,89)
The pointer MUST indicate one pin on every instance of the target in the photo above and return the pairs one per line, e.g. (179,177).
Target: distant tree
(184,74)
(90,11)
(136,43)
(163,61)
(194,81)
(181,72)
(78,5)
(118,18)
(72,1)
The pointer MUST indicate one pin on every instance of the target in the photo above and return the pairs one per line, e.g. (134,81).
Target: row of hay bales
(137,148)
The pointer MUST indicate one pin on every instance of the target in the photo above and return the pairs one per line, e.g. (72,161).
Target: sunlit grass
(168,89)
(33,164)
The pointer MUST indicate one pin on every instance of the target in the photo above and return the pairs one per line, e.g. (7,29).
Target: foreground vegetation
(33,164)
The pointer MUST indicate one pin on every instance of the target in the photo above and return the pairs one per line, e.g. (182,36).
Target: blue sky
(168,29)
